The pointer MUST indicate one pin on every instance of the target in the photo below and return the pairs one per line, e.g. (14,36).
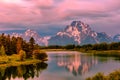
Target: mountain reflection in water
(23,71)
(75,63)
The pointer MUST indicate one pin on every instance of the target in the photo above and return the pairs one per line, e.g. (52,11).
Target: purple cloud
(101,15)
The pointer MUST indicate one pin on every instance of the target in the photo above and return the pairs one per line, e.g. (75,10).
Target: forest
(15,49)
(12,45)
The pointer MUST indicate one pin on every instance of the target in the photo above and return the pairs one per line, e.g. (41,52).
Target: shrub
(22,55)
(98,76)
(41,55)
(112,76)
(2,51)
(88,79)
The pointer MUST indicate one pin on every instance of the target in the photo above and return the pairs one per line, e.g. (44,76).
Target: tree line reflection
(23,71)
(76,64)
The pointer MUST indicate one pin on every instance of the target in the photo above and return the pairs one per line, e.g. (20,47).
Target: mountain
(78,33)
(31,33)
(116,38)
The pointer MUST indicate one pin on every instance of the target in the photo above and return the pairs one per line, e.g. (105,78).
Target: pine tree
(19,44)
(31,43)
(8,50)
(13,46)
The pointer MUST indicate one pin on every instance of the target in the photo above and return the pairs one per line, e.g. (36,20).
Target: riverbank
(58,50)
(105,53)
(13,60)
(115,75)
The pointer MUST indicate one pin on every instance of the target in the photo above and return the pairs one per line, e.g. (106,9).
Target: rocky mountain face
(116,38)
(78,33)
(31,33)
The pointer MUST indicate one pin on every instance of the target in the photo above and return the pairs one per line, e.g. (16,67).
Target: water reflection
(23,71)
(75,63)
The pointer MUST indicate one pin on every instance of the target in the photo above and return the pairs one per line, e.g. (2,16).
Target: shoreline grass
(102,53)
(18,63)
(55,49)
(115,75)
(105,53)
(13,60)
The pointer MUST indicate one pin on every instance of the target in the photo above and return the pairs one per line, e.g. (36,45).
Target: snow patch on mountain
(31,33)
(78,33)
(116,38)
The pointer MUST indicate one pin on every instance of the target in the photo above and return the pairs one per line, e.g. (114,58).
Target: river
(62,65)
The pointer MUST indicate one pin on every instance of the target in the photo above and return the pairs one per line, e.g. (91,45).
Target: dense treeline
(15,45)
(101,46)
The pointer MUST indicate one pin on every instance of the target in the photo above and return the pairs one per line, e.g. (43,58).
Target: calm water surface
(62,65)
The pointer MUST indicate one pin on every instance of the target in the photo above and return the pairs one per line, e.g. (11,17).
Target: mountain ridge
(77,33)
(32,33)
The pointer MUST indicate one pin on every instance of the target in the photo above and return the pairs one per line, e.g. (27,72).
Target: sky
(50,16)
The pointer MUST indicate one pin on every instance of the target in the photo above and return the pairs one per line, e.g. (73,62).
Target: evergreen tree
(13,42)
(25,47)
(19,44)
(8,45)
(31,44)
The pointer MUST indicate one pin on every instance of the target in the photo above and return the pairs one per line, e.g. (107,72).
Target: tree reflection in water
(23,71)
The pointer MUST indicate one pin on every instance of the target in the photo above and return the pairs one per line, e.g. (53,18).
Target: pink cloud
(36,12)
(45,11)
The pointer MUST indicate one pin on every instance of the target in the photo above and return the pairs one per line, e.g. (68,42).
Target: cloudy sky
(50,16)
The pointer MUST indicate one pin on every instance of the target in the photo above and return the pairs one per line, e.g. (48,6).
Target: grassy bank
(107,53)
(112,76)
(54,49)
(102,53)
(13,60)
(58,50)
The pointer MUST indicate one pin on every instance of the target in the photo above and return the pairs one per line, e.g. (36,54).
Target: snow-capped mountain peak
(75,23)
(76,30)
(16,34)
(31,33)
(79,33)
